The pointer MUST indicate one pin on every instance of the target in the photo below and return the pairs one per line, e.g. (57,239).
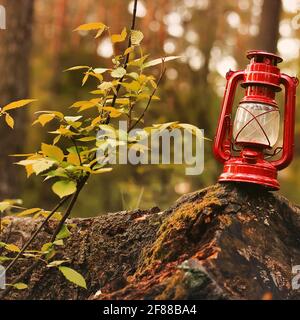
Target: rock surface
(224,242)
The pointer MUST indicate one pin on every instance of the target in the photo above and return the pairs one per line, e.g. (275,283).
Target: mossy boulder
(229,241)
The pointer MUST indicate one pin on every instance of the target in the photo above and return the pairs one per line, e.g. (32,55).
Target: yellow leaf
(136,37)
(29,170)
(12,247)
(5,222)
(42,165)
(113,112)
(18,104)
(128,51)
(20,286)
(123,101)
(159,61)
(78,104)
(56,139)
(118,73)
(64,188)
(9,120)
(45,118)
(73,276)
(52,152)
(103,170)
(87,139)
(96,75)
(22,155)
(105,85)
(119,37)
(91,26)
(4,205)
(96,120)
(28,212)
(99,33)
(85,78)
(45,214)
(77,68)
(100,70)
(73,159)
(132,86)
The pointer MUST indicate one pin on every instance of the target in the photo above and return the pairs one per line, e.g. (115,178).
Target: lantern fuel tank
(247,145)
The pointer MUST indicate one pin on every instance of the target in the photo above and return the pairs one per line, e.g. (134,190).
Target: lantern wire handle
(275,153)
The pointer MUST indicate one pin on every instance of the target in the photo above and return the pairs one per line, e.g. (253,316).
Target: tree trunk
(269,26)
(227,241)
(15,45)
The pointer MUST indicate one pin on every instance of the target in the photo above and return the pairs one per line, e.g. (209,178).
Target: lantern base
(261,172)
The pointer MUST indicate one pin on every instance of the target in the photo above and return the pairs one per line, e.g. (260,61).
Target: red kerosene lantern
(246,146)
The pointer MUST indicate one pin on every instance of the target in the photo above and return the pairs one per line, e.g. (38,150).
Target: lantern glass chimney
(256,123)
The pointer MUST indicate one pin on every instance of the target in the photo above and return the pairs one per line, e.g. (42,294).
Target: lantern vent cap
(260,56)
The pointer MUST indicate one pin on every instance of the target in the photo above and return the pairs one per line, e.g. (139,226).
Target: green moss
(173,236)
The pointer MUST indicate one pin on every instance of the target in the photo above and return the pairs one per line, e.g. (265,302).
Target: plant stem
(149,101)
(70,207)
(19,278)
(127,56)
(77,150)
(27,244)
(74,197)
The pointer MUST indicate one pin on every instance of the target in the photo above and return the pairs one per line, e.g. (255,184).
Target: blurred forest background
(211,36)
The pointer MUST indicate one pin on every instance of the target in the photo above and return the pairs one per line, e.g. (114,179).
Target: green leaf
(41,165)
(105,85)
(136,37)
(59,242)
(100,70)
(18,104)
(20,286)
(73,119)
(47,246)
(118,73)
(4,259)
(64,188)
(56,263)
(9,120)
(52,152)
(63,233)
(103,170)
(87,139)
(73,276)
(159,61)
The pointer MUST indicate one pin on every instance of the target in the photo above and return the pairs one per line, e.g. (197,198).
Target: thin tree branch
(19,279)
(149,101)
(77,151)
(27,244)
(69,208)
(127,56)
(75,196)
